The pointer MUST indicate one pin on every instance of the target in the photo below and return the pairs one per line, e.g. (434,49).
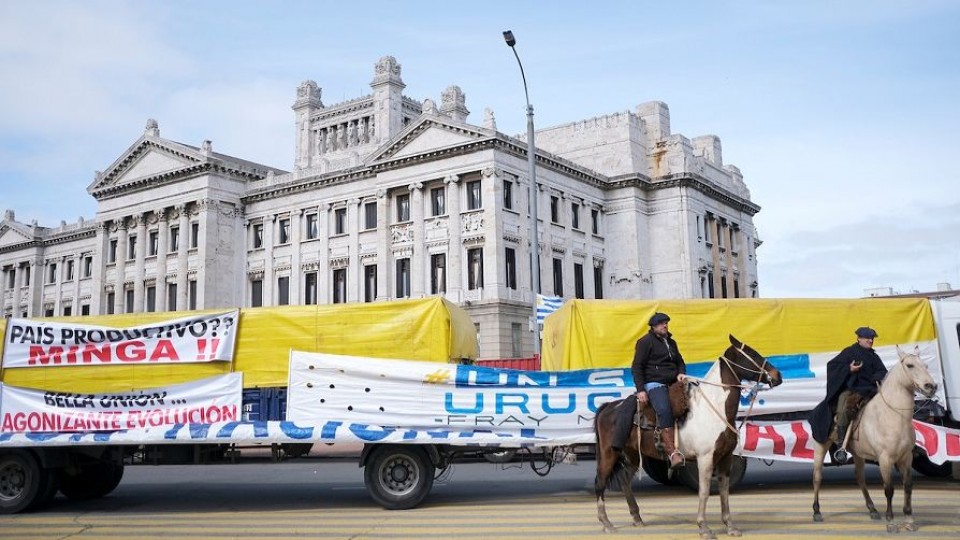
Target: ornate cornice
(152,182)
(687,179)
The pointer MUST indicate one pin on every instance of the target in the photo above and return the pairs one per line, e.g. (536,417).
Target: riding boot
(675,458)
(844,420)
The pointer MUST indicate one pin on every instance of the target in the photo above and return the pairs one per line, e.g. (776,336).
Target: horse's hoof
(892,528)
(818,518)
(733,531)
(639,523)
(874,515)
(609,529)
(708,536)
(911,527)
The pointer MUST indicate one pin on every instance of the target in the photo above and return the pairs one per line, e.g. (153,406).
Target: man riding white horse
(852,378)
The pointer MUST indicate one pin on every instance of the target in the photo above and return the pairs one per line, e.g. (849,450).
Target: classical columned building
(390,197)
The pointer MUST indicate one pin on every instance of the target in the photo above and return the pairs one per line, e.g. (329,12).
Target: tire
(658,470)
(91,481)
(501,456)
(22,481)
(689,475)
(49,483)
(398,477)
(923,465)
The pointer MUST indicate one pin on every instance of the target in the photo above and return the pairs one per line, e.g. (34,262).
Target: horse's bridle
(761,369)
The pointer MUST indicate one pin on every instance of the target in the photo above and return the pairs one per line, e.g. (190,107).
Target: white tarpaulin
(210,400)
(40,343)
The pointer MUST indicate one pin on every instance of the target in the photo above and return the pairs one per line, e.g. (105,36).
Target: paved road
(323,499)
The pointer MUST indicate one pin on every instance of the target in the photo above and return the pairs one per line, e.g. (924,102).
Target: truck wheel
(398,477)
(21,481)
(923,465)
(689,475)
(91,481)
(658,470)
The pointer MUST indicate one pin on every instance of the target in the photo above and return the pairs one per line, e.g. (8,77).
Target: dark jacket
(840,378)
(656,359)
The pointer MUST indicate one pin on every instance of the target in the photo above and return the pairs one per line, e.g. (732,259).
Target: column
(121,266)
(354,272)
(324,283)
(383,246)
(296,273)
(163,246)
(183,216)
(140,220)
(35,291)
(454,246)
(269,286)
(419,279)
(17,285)
(3,289)
(97,292)
(494,273)
(61,281)
(77,266)
(207,217)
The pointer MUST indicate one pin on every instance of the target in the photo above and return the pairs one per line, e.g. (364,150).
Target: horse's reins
(753,389)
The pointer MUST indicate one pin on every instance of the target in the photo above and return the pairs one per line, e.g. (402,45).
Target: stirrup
(841,455)
(683,460)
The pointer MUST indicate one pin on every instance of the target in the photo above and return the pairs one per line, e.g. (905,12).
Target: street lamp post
(532,166)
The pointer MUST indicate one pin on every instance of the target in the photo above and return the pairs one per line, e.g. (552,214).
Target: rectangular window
(720,226)
(312,227)
(370,215)
(174,239)
(256,293)
(736,288)
(194,235)
(733,239)
(48,312)
(474,202)
(171,296)
(85,309)
(131,248)
(69,276)
(707,225)
(508,194)
(26,276)
(598,281)
(310,288)
(510,258)
(437,202)
(52,273)
(554,209)
(575,215)
(339,285)
(516,336)
(283,290)
(403,208)
(111,303)
(723,285)
(578,280)
(369,283)
(151,299)
(128,301)
(284,229)
(11,278)
(154,243)
(475,268)
(67,311)
(257,235)
(340,221)
(88,266)
(595,221)
(710,288)
(112,251)
(438,273)
(558,277)
(403,278)
(699,229)
(192,295)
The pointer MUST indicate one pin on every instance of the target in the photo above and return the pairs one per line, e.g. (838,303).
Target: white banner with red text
(206,401)
(200,338)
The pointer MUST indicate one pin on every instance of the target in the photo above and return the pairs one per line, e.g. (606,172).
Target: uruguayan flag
(545,306)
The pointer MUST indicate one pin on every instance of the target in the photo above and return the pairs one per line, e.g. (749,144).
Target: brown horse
(884,433)
(707,435)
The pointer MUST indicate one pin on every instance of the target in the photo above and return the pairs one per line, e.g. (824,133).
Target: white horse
(706,436)
(884,433)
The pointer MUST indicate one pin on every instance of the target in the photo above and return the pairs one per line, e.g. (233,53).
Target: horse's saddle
(646,418)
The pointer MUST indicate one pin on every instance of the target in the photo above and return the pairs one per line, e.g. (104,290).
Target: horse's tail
(601,480)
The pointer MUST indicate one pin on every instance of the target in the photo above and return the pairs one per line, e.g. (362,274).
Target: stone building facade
(391,197)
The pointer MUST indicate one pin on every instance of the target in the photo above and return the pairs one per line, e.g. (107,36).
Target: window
(578,280)
(710,289)
(67,311)
(558,277)
(194,235)
(699,229)
(151,299)
(52,273)
(723,285)
(310,288)
(475,268)
(312,227)
(473,195)
(340,221)
(508,194)
(111,303)
(69,276)
(48,312)
(128,301)
(131,248)
(370,215)
(437,202)
(720,226)
(575,215)
(284,230)
(174,239)
(283,290)
(11,278)
(339,285)
(403,207)
(707,225)
(192,295)
(598,281)
(369,283)
(516,335)
(595,221)
(403,278)
(554,209)
(256,293)
(112,252)
(510,258)
(733,238)
(438,273)
(154,243)
(88,266)
(736,288)
(171,296)
(85,309)
(26,276)
(257,235)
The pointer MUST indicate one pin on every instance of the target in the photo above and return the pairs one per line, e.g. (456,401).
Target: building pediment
(13,233)
(429,134)
(146,158)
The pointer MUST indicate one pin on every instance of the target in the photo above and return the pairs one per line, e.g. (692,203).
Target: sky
(842,116)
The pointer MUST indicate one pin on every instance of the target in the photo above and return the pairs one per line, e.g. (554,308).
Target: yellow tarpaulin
(586,334)
(430,329)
